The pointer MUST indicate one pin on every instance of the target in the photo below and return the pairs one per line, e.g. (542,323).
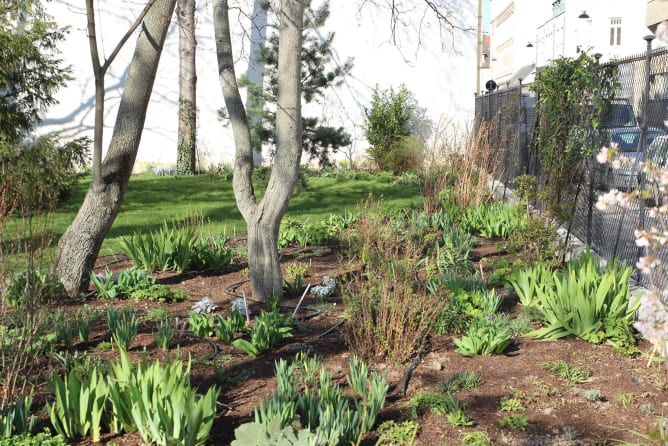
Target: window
(615,31)
(558,7)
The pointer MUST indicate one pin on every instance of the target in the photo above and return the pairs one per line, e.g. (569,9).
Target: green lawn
(150,200)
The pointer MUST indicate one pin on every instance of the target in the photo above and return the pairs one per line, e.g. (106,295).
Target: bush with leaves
(389,129)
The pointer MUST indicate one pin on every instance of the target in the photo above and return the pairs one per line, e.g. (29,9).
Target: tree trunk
(255,71)
(79,246)
(186,162)
(263,219)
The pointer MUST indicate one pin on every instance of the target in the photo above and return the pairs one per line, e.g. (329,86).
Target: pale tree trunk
(186,161)
(79,246)
(263,219)
(255,72)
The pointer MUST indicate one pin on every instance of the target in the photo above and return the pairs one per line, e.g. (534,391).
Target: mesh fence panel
(636,121)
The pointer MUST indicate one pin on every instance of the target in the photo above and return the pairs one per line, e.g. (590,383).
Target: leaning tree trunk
(263,219)
(186,161)
(79,246)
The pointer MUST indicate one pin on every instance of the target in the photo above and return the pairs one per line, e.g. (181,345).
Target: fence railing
(642,92)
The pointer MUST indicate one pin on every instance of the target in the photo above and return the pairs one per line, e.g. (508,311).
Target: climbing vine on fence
(572,96)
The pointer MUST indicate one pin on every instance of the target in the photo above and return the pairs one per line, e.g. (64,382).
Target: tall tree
(99,72)
(255,71)
(263,217)
(318,73)
(79,246)
(30,69)
(186,159)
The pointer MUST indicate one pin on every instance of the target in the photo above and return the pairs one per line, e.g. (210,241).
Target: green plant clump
(485,336)
(268,330)
(306,391)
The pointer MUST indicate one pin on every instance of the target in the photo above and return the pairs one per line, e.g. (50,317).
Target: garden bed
(620,394)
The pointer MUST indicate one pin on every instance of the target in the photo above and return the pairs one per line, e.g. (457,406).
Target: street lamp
(529,45)
(584,15)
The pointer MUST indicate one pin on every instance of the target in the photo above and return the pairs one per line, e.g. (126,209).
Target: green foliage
(169,248)
(537,239)
(513,403)
(336,419)
(460,379)
(31,287)
(160,403)
(15,418)
(304,233)
(294,269)
(211,253)
(453,255)
(164,334)
(39,439)
(268,330)
(388,130)
(32,71)
(493,220)
(437,403)
(562,369)
(587,303)
(134,284)
(476,438)
(227,327)
(80,407)
(390,433)
(273,433)
(295,287)
(572,95)
(123,325)
(485,336)
(200,324)
(531,284)
(319,71)
(515,421)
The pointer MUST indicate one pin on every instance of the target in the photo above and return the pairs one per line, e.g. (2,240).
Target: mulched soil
(554,407)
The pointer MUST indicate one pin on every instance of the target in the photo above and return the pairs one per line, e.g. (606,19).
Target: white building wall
(554,29)
(439,69)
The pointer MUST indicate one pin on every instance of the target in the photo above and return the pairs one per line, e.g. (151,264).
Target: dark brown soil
(553,405)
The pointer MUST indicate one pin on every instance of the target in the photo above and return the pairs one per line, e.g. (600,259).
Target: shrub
(390,315)
(394,147)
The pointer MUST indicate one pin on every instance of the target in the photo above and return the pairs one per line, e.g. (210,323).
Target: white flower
(602,156)
(641,238)
(647,263)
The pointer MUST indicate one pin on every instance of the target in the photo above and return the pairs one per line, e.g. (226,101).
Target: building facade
(526,35)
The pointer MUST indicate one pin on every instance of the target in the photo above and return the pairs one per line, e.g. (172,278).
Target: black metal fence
(639,122)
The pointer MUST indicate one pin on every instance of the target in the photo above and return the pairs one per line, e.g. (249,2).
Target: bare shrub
(459,165)
(389,312)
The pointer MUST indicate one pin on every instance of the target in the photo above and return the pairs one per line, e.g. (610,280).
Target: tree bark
(186,162)
(263,219)
(79,246)
(255,71)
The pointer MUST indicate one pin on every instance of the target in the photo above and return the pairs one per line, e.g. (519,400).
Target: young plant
(123,325)
(513,403)
(461,379)
(80,406)
(268,330)
(515,421)
(439,404)
(200,324)
(485,336)
(477,438)
(306,389)
(562,369)
(589,304)
(227,327)
(212,253)
(159,402)
(390,433)
(15,419)
(164,334)
(295,287)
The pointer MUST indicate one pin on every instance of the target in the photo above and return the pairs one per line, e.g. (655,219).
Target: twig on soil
(300,300)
